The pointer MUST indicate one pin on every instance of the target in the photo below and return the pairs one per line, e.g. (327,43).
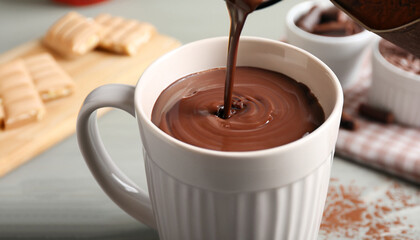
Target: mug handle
(124,192)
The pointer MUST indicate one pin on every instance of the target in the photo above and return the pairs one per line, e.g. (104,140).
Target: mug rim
(242,154)
(291,24)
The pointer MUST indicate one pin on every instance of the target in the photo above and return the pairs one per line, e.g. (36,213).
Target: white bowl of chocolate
(396,82)
(325,31)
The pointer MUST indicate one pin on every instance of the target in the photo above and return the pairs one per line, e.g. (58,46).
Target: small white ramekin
(394,89)
(344,55)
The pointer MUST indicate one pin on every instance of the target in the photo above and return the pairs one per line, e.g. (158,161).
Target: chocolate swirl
(269,109)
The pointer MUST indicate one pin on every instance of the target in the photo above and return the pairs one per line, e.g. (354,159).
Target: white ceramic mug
(197,193)
(344,55)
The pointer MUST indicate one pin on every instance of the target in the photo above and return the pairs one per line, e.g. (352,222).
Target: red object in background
(79,2)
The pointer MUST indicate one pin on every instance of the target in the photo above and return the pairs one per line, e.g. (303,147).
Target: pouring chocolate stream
(238,12)
(264,108)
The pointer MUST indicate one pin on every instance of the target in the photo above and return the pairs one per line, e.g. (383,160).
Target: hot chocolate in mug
(197,193)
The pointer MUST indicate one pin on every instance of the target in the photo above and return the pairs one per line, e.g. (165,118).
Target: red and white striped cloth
(392,148)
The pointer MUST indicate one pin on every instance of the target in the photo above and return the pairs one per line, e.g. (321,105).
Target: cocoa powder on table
(350,214)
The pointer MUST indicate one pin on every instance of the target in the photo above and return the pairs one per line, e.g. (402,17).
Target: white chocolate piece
(122,35)
(50,79)
(1,114)
(73,35)
(21,101)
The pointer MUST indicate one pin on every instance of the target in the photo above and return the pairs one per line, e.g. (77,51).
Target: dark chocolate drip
(238,11)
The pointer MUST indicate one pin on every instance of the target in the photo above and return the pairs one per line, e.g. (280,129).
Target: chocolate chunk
(329,15)
(399,57)
(348,122)
(308,21)
(330,29)
(328,22)
(376,114)
(342,17)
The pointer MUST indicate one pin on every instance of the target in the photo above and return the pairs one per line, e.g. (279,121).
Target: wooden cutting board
(97,68)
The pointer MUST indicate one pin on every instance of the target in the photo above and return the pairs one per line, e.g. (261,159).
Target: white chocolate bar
(73,35)
(50,79)
(21,101)
(122,35)
(1,114)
